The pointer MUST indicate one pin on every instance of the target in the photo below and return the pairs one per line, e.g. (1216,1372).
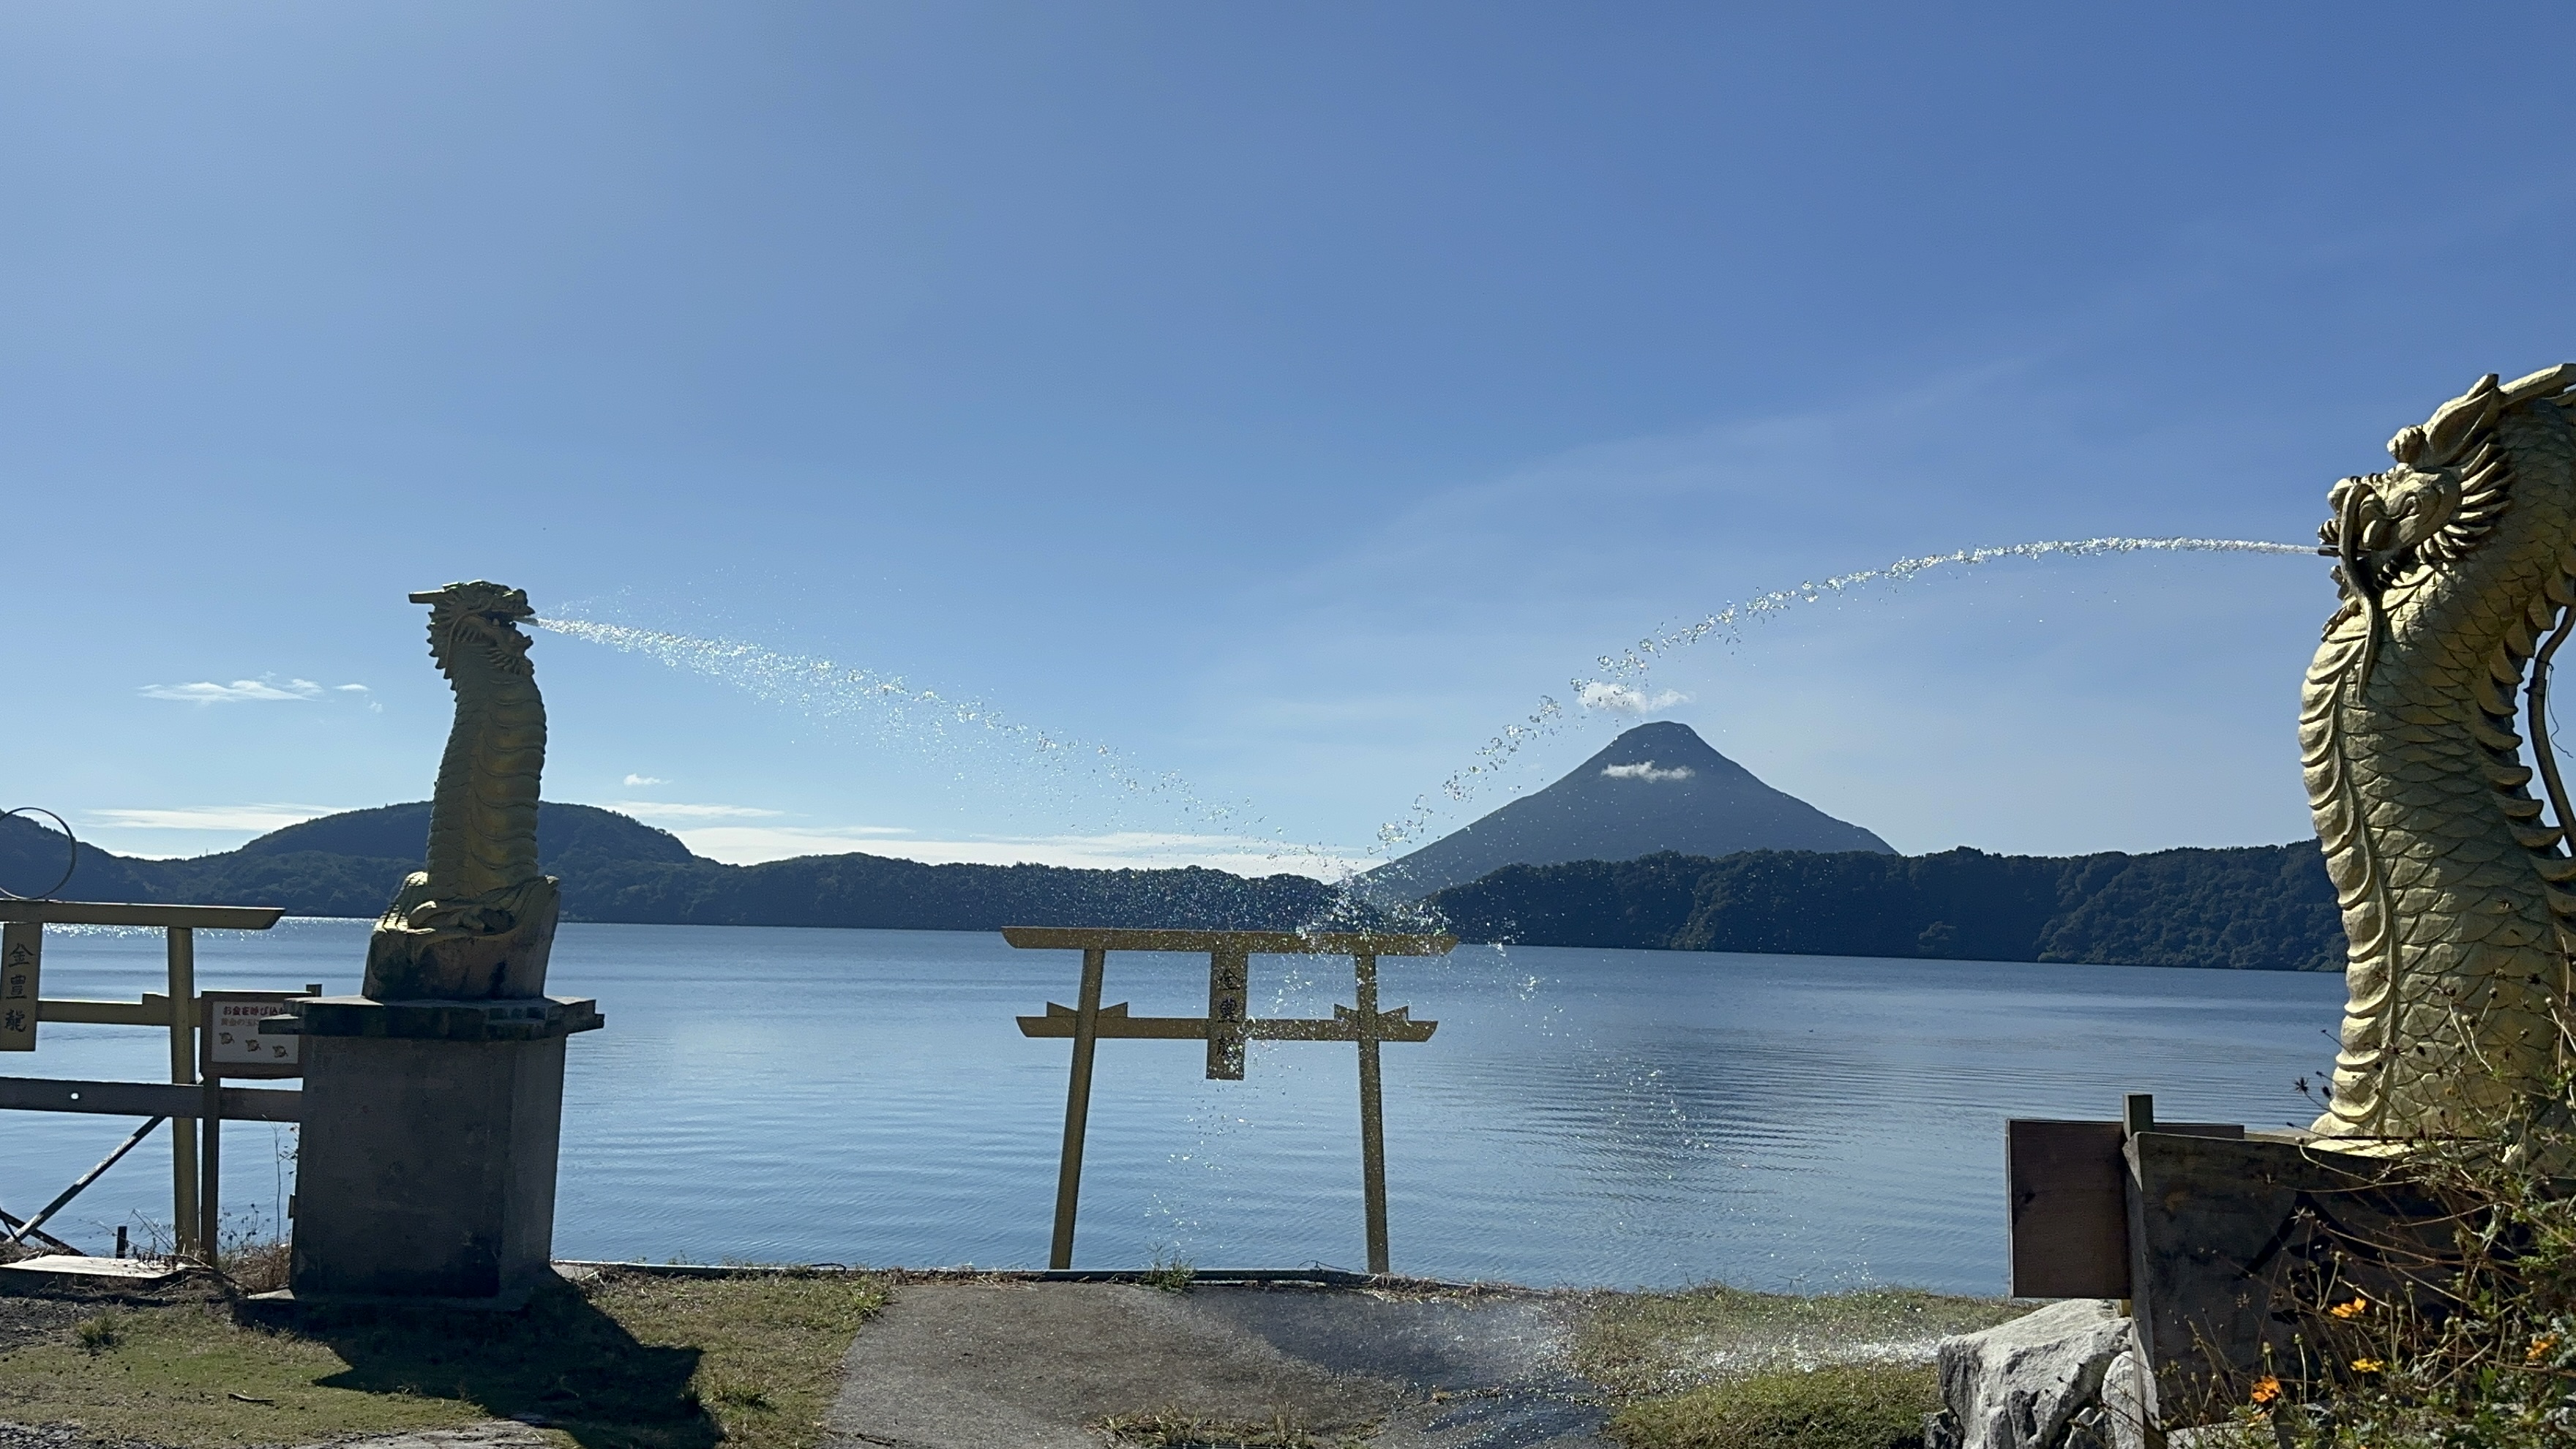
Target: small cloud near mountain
(1627,699)
(1645,770)
(261,818)
(658,810)
(635,780)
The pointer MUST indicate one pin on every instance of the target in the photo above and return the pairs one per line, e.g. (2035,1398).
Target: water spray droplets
(1616,671)
(924,718)
(1727,622)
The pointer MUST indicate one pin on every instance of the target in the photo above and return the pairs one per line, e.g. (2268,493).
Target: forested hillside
(2259,908)
(616,869)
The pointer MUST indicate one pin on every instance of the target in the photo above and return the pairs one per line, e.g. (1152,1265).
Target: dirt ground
(974,1365)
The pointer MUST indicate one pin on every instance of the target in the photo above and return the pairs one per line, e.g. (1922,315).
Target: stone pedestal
(427,1164)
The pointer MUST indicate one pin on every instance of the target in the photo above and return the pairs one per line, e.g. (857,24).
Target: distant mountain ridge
(2251,908)
(1657,787)
(615,868)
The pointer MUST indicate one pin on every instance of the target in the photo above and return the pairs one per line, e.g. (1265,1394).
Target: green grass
(627,1361)
(1840,1406)
(1724,1368)
(1641,1343)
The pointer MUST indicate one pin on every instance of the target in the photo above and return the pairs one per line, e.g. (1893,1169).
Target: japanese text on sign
(233,1038)
(22,959)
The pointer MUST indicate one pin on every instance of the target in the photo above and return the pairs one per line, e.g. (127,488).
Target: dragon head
(477,615)
(2450,485)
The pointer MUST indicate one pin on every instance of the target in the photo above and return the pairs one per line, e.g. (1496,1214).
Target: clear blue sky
(1286,397)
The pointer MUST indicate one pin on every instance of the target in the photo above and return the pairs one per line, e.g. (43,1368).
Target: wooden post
(210,1156)
(1229,983)
(183,1070)
(1372,1114)
(1077,1105)
(2138,1113)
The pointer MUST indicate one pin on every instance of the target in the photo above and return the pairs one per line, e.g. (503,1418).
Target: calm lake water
(1582,1117)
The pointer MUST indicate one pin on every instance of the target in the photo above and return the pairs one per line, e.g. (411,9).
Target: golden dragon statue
(2457,570)
(480,921)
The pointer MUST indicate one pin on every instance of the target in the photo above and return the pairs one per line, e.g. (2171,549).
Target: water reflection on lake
(1599,1117)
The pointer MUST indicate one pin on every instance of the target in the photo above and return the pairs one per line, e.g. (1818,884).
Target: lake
(1617,1118)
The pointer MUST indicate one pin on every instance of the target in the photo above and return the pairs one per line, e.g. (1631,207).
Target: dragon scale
(479,920)
(2458,894)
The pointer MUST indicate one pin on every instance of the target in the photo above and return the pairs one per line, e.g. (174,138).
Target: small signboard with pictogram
(234,1045)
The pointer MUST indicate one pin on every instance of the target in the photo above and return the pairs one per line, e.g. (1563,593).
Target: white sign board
(233,1040)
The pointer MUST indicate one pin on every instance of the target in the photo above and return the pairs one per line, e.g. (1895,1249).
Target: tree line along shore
(2267,908)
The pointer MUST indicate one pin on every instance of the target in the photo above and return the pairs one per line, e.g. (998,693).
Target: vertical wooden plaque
(22,961)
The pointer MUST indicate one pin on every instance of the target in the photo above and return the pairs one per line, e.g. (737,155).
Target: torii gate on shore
(1226,1028)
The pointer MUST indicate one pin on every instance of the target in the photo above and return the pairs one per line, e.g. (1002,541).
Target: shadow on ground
(559,1360)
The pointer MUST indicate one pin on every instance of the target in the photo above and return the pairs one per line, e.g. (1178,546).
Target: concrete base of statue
(426,1169)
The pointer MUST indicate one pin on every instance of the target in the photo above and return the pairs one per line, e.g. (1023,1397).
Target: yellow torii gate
(1226,1028)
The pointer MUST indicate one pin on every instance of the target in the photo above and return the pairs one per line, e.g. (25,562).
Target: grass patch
(626,1361)
(1715,1367)
(1173,1275)
(1644,1343)
(1841,1406)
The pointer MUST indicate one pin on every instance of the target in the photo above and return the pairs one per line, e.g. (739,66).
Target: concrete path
(978,1365)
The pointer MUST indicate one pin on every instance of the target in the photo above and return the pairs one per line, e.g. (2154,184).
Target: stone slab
(972,1365)
(72,1265)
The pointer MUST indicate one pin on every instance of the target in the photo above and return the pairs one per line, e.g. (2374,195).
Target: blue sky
(1283,398)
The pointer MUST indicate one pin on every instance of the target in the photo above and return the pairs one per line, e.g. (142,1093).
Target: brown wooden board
(2069,1204)
(2068,1194)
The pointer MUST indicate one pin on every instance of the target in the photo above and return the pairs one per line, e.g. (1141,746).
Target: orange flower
(2541,1344)
(2354,1309)
(2266,1389)
(2367,1365)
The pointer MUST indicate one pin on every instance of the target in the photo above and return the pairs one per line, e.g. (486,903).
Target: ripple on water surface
(1598,1117)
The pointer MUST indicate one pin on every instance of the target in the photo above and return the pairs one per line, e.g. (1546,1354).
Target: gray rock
(2066,1377)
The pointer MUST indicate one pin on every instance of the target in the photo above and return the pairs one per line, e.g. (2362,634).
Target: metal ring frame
(69,866)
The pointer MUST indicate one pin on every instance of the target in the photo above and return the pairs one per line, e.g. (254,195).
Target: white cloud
(634,780)
(237,692)
(1134,849)
(1627,699)
(1647,772)
(243,691)
(259,819)
(658,810)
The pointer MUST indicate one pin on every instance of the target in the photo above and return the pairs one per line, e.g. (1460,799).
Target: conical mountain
(1657,787)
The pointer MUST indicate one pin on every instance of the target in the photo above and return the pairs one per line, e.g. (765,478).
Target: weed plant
(1839,1406)
(2471,1345)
